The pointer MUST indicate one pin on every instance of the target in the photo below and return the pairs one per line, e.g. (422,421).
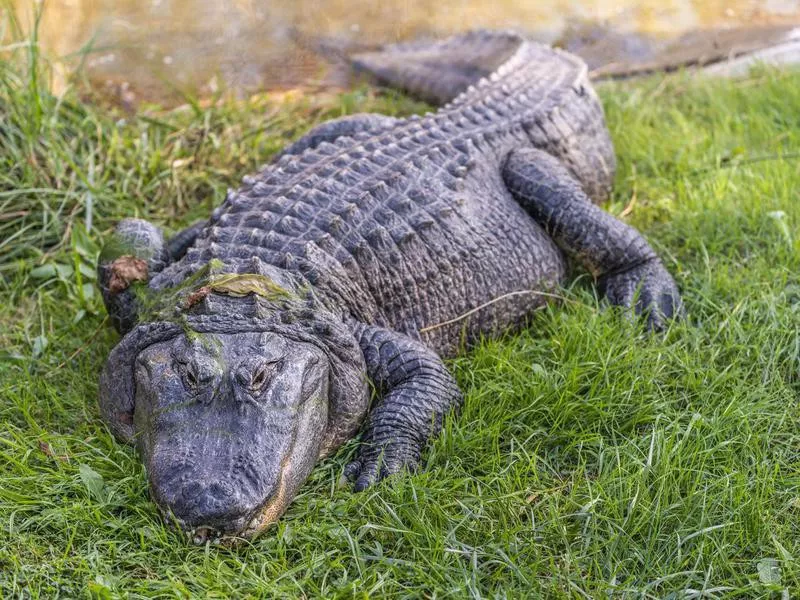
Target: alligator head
(230,414)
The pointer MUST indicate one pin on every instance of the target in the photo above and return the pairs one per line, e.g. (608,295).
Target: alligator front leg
(331,130)
(626,268)
(416,390)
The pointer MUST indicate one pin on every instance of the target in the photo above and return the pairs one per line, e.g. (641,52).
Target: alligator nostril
(221,490)
(202,509)
(191,491)
(211,505)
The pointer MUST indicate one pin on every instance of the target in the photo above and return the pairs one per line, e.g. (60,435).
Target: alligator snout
(214,506)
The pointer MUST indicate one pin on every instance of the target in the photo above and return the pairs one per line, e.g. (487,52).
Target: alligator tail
(438,71)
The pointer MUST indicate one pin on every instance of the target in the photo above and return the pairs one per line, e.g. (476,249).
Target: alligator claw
(378,462)
(649,289)
(363,476)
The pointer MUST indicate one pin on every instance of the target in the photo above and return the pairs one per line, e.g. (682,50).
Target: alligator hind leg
(626,268)
(331,130)
(417,391)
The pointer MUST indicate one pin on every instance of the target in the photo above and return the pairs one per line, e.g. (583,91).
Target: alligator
(322,296)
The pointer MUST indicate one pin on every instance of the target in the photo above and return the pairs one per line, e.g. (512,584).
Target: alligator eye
(191,378)
(262,375)
(256,378)
(188,375)
(259,378)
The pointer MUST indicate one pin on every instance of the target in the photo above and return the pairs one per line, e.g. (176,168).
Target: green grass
(589,461)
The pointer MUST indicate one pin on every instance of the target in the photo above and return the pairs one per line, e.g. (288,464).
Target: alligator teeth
(201,535)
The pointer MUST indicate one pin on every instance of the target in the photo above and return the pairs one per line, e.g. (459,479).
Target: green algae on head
(168,303)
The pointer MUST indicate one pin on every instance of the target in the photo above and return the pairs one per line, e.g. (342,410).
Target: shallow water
(150,49)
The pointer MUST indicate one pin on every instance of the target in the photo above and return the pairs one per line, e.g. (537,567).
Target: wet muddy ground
(158,50)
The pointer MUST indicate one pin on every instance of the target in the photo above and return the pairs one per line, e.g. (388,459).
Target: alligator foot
(626,268)
(377,461)
(647,288)
(417,391)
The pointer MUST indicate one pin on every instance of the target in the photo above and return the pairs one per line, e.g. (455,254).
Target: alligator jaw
(269,513)
(199,536)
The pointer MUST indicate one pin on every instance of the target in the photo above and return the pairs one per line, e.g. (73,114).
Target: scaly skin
(370,249)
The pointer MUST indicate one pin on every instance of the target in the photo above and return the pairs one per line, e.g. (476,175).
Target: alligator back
(513,82)
(410,225)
